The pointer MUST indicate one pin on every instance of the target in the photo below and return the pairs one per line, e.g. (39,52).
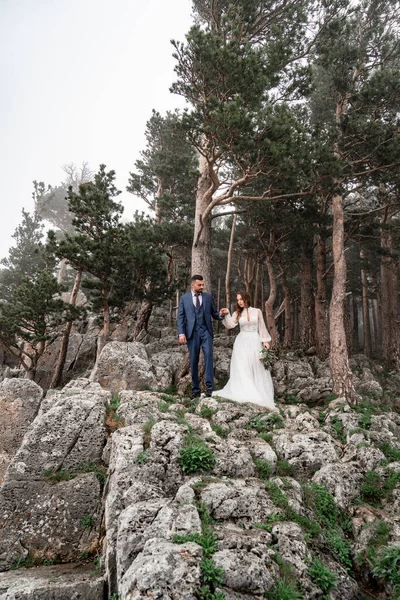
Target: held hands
(266,345)
(223,312)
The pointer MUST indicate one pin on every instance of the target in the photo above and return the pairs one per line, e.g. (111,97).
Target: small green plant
(322,576)
(142,457)
(381,534)
(115,402)
(206,540)
(114,596)
(21,561)
(211,574)
(148,426)
(223,433)
(195,455)
(263,467)
(267,437)
(206,412)
(276,421)
(290,399)
(386,567)
(340,547)
(56,476)
(87,521)
(284,591)
(270,521)
(163,406)
(371,489)
(392,454)
(321,418)
(99,470)
(84,556)
(284,469)
(337,426)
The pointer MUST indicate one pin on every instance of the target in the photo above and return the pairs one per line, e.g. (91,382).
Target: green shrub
(163,406)
(284,469)
(322,576)
(195,455)
(270,521)
(337,426)
(206,412)
(267,437)
(284,591)
(392,454)
(340,547)
(211,574)
(223,433)
(263,467)
(206,540)
(386,567)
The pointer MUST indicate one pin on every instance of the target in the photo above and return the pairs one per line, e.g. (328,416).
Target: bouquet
(267,357)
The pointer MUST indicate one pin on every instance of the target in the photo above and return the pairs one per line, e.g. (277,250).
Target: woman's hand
(266,345)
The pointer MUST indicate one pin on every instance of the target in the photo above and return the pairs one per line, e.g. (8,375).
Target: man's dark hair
(197,277)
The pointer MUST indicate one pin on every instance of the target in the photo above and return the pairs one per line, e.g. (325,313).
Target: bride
(249,381)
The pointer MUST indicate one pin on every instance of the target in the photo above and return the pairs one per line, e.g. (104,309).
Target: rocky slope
(141,494)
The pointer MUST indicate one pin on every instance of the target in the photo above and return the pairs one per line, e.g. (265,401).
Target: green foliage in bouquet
(267,357)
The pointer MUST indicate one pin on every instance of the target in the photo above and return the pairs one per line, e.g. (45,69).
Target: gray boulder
(125,366)
(19,404)
(59,582)
(49,502)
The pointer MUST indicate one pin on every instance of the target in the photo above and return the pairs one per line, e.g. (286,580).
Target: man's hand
(182,338)
(224,311)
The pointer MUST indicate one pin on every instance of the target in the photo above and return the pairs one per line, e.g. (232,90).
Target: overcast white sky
(79,79)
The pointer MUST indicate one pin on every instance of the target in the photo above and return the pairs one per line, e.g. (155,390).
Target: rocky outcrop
(80,358)
(125,366)
(19,404)
(203,498)
(58,582)
(50,499)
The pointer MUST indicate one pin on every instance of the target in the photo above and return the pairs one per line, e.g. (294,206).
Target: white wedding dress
(249,381)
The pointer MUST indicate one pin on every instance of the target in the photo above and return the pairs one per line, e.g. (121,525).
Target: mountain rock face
(145,494)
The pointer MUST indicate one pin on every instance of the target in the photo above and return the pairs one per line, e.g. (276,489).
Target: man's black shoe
(208,393)
(195,395)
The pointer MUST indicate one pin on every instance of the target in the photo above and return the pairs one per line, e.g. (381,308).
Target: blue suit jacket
(187,314)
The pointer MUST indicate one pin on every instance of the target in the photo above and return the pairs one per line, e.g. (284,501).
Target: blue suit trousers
(201,338)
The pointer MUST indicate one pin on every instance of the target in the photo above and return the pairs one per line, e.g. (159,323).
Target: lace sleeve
(230,321)
(262,330)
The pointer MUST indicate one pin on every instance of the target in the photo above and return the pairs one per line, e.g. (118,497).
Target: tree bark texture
(339,360)
(58,372)
(307,305)
(269,305)
(389,298)
(142,321)
(321,317)
(229,264)
(201,249)
(365,306)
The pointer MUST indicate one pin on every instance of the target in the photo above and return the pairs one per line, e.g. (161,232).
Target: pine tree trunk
(269,305)
(103,336)
(58,372)
(367,348)
(321,317)
(339,360)
(287,301)
(249,272)
(201,249)
(229,264)
(347,325)
(257,289)
(389,302)
(143,318)
(307,305)
(356,345)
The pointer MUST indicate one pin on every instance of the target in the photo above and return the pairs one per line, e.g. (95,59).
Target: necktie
(197,301)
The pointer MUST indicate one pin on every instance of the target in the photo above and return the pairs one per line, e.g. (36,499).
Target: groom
(195,329)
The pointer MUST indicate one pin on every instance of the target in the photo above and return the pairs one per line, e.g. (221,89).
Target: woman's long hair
(247,302)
